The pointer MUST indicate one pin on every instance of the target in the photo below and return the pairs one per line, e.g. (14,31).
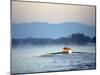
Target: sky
(43,20)
(52,13)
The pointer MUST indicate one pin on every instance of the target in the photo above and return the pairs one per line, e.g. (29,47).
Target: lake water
(29,59)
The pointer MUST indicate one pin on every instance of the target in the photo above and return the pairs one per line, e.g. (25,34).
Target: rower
(67,50)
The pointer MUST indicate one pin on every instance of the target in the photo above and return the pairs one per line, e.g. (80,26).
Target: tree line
(74,39)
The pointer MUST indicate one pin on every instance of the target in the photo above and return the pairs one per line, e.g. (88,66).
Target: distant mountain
(46,30)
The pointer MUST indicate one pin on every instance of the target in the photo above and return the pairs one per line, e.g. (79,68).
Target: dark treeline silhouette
(74,39)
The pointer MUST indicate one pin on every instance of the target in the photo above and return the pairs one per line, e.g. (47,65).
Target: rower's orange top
(66,50)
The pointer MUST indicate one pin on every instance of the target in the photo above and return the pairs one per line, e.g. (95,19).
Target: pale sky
(27,12)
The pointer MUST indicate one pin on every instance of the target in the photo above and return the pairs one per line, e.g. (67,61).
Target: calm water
(28,59)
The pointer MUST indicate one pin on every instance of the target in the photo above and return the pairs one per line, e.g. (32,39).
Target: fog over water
(40,50)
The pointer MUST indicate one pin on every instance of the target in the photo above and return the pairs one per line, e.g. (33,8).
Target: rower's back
(67,50)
